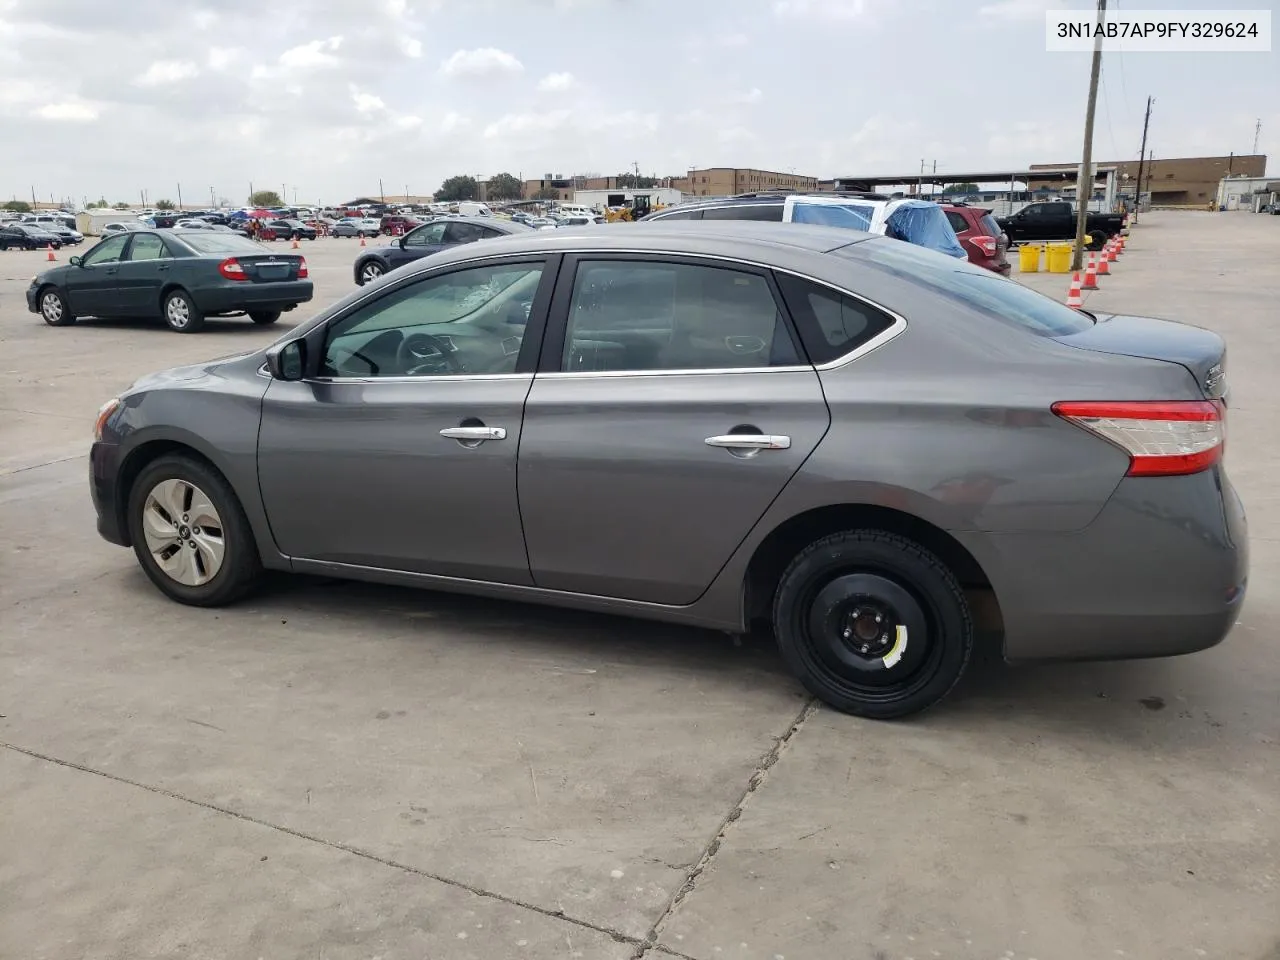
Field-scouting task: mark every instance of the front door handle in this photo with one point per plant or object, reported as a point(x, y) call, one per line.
point(750, 441)
point(474, 433)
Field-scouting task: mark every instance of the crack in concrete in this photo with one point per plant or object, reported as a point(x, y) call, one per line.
point(616, 935)
point(754, 782)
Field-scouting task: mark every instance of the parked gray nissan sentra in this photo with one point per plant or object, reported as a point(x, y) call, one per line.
point(877, 449)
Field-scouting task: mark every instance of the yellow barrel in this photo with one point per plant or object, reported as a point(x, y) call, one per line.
point(1029, 258)
point(1058, 258)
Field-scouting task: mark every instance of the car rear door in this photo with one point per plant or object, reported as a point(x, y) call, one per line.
point(671, 406)
point(401, 453)
point(93, 288)
point(141, 274)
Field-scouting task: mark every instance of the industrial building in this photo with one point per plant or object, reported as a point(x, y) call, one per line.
point(1177, 181)
point(729, 181)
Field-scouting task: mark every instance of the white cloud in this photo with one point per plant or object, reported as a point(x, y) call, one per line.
point(317, 53)
point(731, 40)
point(164, 72)
point(366, 102)
point(555, 82)
point(219, 58)
point(453, 121)
point(1018, 9)
point(407, 122)
point(68, 111)
point(480, 62)
point(410, 46)
point(754, 95)
point(822, 9)
point(528, 123)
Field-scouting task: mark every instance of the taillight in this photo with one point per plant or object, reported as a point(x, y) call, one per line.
point(231, 269)
point(986, 244)
point(1163, 438)
point(302, 268)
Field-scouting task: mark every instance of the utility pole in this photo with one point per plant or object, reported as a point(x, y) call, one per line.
point(212, 203)
point(1142, 156)
point(382, 195)
point(1257, 129)
point(179, 197)
point(1084, 183)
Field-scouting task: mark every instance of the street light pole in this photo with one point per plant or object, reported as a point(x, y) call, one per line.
point(1084, 182)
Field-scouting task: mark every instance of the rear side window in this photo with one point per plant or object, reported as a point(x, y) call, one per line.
point(770, 213)
point(831, 324)
point(958, 223)
point(1005, 300)
point(681, 215)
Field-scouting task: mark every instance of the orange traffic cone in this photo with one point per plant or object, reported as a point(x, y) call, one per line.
point(1104, 263)
point(1091, 274)
point(362, 243)
point(1075, 300)
point(295, 241)
point(50, 257)
point(1113, 251)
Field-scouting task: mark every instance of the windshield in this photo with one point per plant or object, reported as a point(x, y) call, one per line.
point(850, 216)
point(212, 242)
point(1006, 300)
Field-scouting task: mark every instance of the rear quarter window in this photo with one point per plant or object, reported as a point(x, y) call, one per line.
point(1006, 301)
point(831, 324)
point(989, 225)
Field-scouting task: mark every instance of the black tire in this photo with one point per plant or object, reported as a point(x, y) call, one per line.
point(241, 568)
point(264, 316)
point(370, 271)
point(54, 309)
point(1097, 240)
point(842, 584)
point(180, 312)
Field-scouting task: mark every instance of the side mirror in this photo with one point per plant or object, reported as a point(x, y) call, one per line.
point(76, 262)
point(400, 242)
point(288, 360)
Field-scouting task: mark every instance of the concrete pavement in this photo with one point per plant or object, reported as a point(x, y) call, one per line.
point(350, 771)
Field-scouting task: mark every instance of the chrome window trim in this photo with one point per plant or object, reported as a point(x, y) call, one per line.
point(897, 327)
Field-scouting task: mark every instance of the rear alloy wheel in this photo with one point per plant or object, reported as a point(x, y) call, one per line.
point(873, 624)
point(190, 534)
point(180, 312)
point(370, 272)
point(54, 309)
point(264, 316)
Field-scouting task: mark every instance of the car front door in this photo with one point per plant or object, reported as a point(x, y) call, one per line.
point(141, 274)
point(93, 288)
point(671, 406)
point(400, 453)
point(423, 241)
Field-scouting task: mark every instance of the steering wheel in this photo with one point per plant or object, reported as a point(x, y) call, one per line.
point(423, 355)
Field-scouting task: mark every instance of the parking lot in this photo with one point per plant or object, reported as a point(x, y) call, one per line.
point(341, 770)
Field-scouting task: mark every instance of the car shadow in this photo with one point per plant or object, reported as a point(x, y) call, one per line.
point(1076, 701)
point(212, 325)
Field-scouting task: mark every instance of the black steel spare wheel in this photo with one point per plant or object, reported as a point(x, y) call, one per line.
point(873, 624)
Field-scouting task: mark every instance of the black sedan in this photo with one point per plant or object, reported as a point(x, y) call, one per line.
point(290, 230)
point(27, 237)
point(182, 276)
point(428, 239)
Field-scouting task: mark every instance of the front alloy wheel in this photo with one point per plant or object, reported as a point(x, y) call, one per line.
point(370, 272)
point(54, 309)
point(183, 532)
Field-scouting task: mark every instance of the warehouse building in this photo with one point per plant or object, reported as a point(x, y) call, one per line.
point(1177, 181)
point(729, 181)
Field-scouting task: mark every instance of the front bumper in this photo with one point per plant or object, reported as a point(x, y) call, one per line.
point(1161, 571)
point(104, 481)
point(32, 303)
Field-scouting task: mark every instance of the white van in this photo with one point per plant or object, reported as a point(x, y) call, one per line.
point(575, 210)
point(470, 208)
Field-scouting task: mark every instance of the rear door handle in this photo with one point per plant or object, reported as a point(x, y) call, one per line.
point(750, 441)
point(474, 433)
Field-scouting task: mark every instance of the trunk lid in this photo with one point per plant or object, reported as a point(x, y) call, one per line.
point(1200, 351)
point(270, 267)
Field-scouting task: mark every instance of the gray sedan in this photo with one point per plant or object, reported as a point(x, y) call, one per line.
point(874, 449)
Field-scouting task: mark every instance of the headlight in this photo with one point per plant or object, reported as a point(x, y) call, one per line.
point(104, 414)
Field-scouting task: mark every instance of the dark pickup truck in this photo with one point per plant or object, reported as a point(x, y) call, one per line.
point(1056, 220)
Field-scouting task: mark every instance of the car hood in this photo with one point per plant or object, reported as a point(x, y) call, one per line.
point(52, 275)
point(188, 372)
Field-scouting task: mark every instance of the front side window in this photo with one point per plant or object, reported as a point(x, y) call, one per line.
point(147, 246)
point(108, 251)
point(430, 235)
point(470, 321)
point(643, 316)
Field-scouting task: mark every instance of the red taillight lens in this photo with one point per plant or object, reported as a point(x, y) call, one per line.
point(1163, 438)
point(302, 268)
point(986, 244)
point(231, 269)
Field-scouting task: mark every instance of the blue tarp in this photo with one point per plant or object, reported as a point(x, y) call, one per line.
point(850, 216)
point(925, 224)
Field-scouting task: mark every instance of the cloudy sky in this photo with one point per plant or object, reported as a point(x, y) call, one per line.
point(102, 98)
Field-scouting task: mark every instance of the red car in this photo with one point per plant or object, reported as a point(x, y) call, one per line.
point(980, 235)
point(394, 226)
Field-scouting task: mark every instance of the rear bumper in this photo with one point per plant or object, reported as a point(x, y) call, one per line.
point(241, 295)
point(104, 473)
point(1161, 571)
